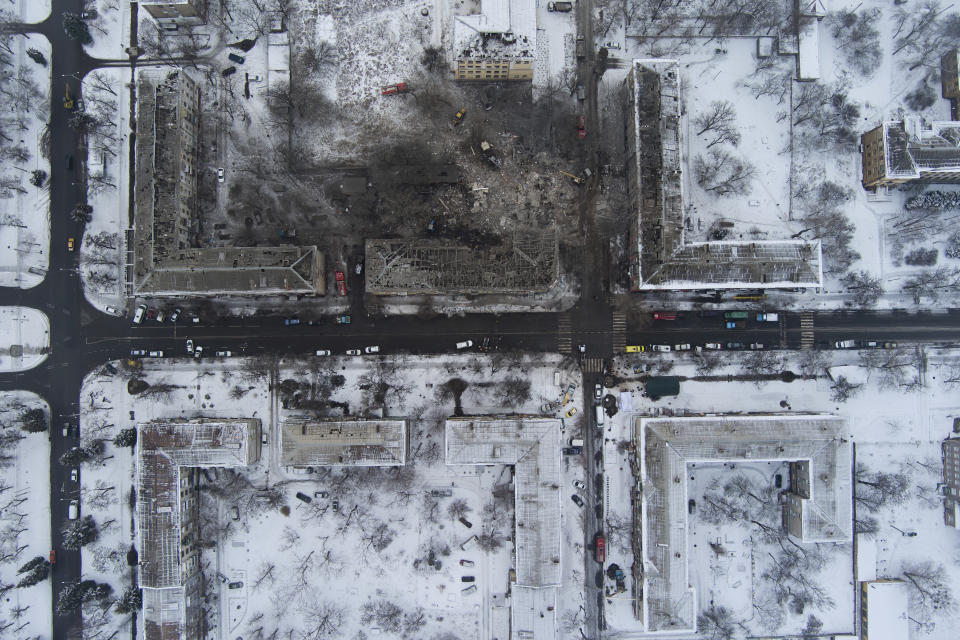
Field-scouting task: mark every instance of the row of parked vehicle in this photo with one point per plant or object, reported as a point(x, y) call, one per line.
point(149, 313)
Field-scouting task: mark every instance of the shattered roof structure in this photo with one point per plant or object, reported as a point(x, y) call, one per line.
point(346, 442)
point(662, 257)
point(522, 264)
point(912, 152)
point(513, 23)
point(166, 535)
point(164, 262)
point(668, 445)
point(533, 446)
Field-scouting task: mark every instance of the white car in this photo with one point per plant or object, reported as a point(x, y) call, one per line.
point(155, 354)
point(661, 347)
point(112, 310)
point(756, 345)
point(353, 352)
point(373, 349)
point(611, 45)
point(138, 315)
point(198, 352)
point(189, 346)
point(224, 354)
point(220, 174)
point(138, 352)
point(712, 345)
point(73, 475)
point(597, 390)
point(681, 347)
point(322, 352)
point(73, 510)
point(466, 344)
point(579, 484)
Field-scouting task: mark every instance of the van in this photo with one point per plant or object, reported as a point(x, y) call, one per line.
point(599, 416)
point(72, 511)
point(469, 543)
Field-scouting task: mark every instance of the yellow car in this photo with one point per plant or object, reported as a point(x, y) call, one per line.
point(572, 412)
point(635, 348)
point(69, 244)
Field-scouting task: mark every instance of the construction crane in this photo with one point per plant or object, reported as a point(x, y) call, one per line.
point(576, 179)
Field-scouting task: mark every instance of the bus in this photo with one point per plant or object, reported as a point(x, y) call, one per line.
point(736, 315)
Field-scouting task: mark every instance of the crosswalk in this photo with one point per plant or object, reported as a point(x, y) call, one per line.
point(593, 365)
point(806, 330)
point(619, 331)
point(564, 344)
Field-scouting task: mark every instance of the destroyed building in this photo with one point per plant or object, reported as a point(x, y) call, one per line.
point(169, 455)
point(523, 263)
point(170, 13)
point(661, 257)
point(532, 445)
point(343, 442)
point(897, 152)
point(817, 505)
point(165, 260)
point(499, 43)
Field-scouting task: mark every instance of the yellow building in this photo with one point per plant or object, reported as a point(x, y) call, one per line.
point(493, 69)
point(498, 43)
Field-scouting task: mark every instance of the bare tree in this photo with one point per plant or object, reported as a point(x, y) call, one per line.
point(322, 620)
point(866, 288)
point(930, 586)
point(874, 489)
point(858, 38)
point(843, 389)
point(717, 623)
point(723, 173)
point(720, 121)
point(458, 509)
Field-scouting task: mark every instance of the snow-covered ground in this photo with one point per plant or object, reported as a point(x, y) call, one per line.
point(24, 208)
point(32, 11)
point(892, 428)
point(376, 546)
point(26, 335)
point(110, 29)
point(24, 518)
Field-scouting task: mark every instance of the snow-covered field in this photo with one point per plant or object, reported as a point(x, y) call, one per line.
point(376, 546)
point(26, 335)
point(24, 208)
point(24, 518)
point(32, 11)
point(893, 429)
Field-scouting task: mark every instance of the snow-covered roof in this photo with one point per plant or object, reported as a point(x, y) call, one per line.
point(663, 257)
point(534, 612)
point(885, 602)
point(808, 56)
point(533, 446)
point(912, 151)
point(669, 444)
point(356, 442)
point(515, 21)
point(165, 523)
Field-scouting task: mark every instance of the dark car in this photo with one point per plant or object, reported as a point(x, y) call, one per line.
point(734, 345)
point(229, 71)
point(235, 58)
point(467, 579)
point(304, 497)
point(465, 522)
point(577, 500)
point(289, 322)
point(235, 585)
point(778, 481)
point(691, 505)
point(68, 161)
point(572, 451)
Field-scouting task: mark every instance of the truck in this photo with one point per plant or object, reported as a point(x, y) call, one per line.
point(458, 118)
point(394, 89)
point(736, 315)
point(768, 317)
point(599, 415)
point(601, 549)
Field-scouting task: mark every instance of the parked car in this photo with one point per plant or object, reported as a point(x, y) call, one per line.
point(229, 71)
point(635, 348)
point(661, 347)
point(155, 354)
point(70, 244)
point(235, 58)
point(220, 174)
point(601, 549)
point(579, 484)
point(466, 344)
point(465, 522)
point(691, 506)
point(73, 475)
point(343, 319)
point(756, 346)
point(235, 585)
point(560, 6)
point(189, 346)
point(304, 497)
point(581, 127)
point(224, 354)
point(734, 345)
point(768, 317)
point(341, 283)
point(845, 344)
point(323, 495)
point(53, 556)
point(322, 352)
point(198, 352)
point(467, 579)
point(466, 563)
point(353, 352)
point(291, 322)
point(597, 390)
point(161, 314)
point(373, 349)
point(73, 511)
point(712, 345)
point(577, 500)
point(571, 412)
point(572, 451)
point(176, 314)
point(611, 45)
point(138, 314)
point(663, 315)
point(138, 352)
point(151, 313)
point(681, 347)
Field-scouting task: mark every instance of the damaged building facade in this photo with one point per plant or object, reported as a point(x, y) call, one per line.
point(169, 455)
point(165, 201)
point(816, 506)
point(311, 442)
point(498, 43)
point(906, 151)
point(661, 257)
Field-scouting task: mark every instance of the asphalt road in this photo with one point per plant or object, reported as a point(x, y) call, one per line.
point(83, 338)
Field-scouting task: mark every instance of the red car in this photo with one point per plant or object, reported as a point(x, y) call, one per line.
point(581, 127)
point(341, 283)
point(664, 316)
point(601, 549)
point(53, 556)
